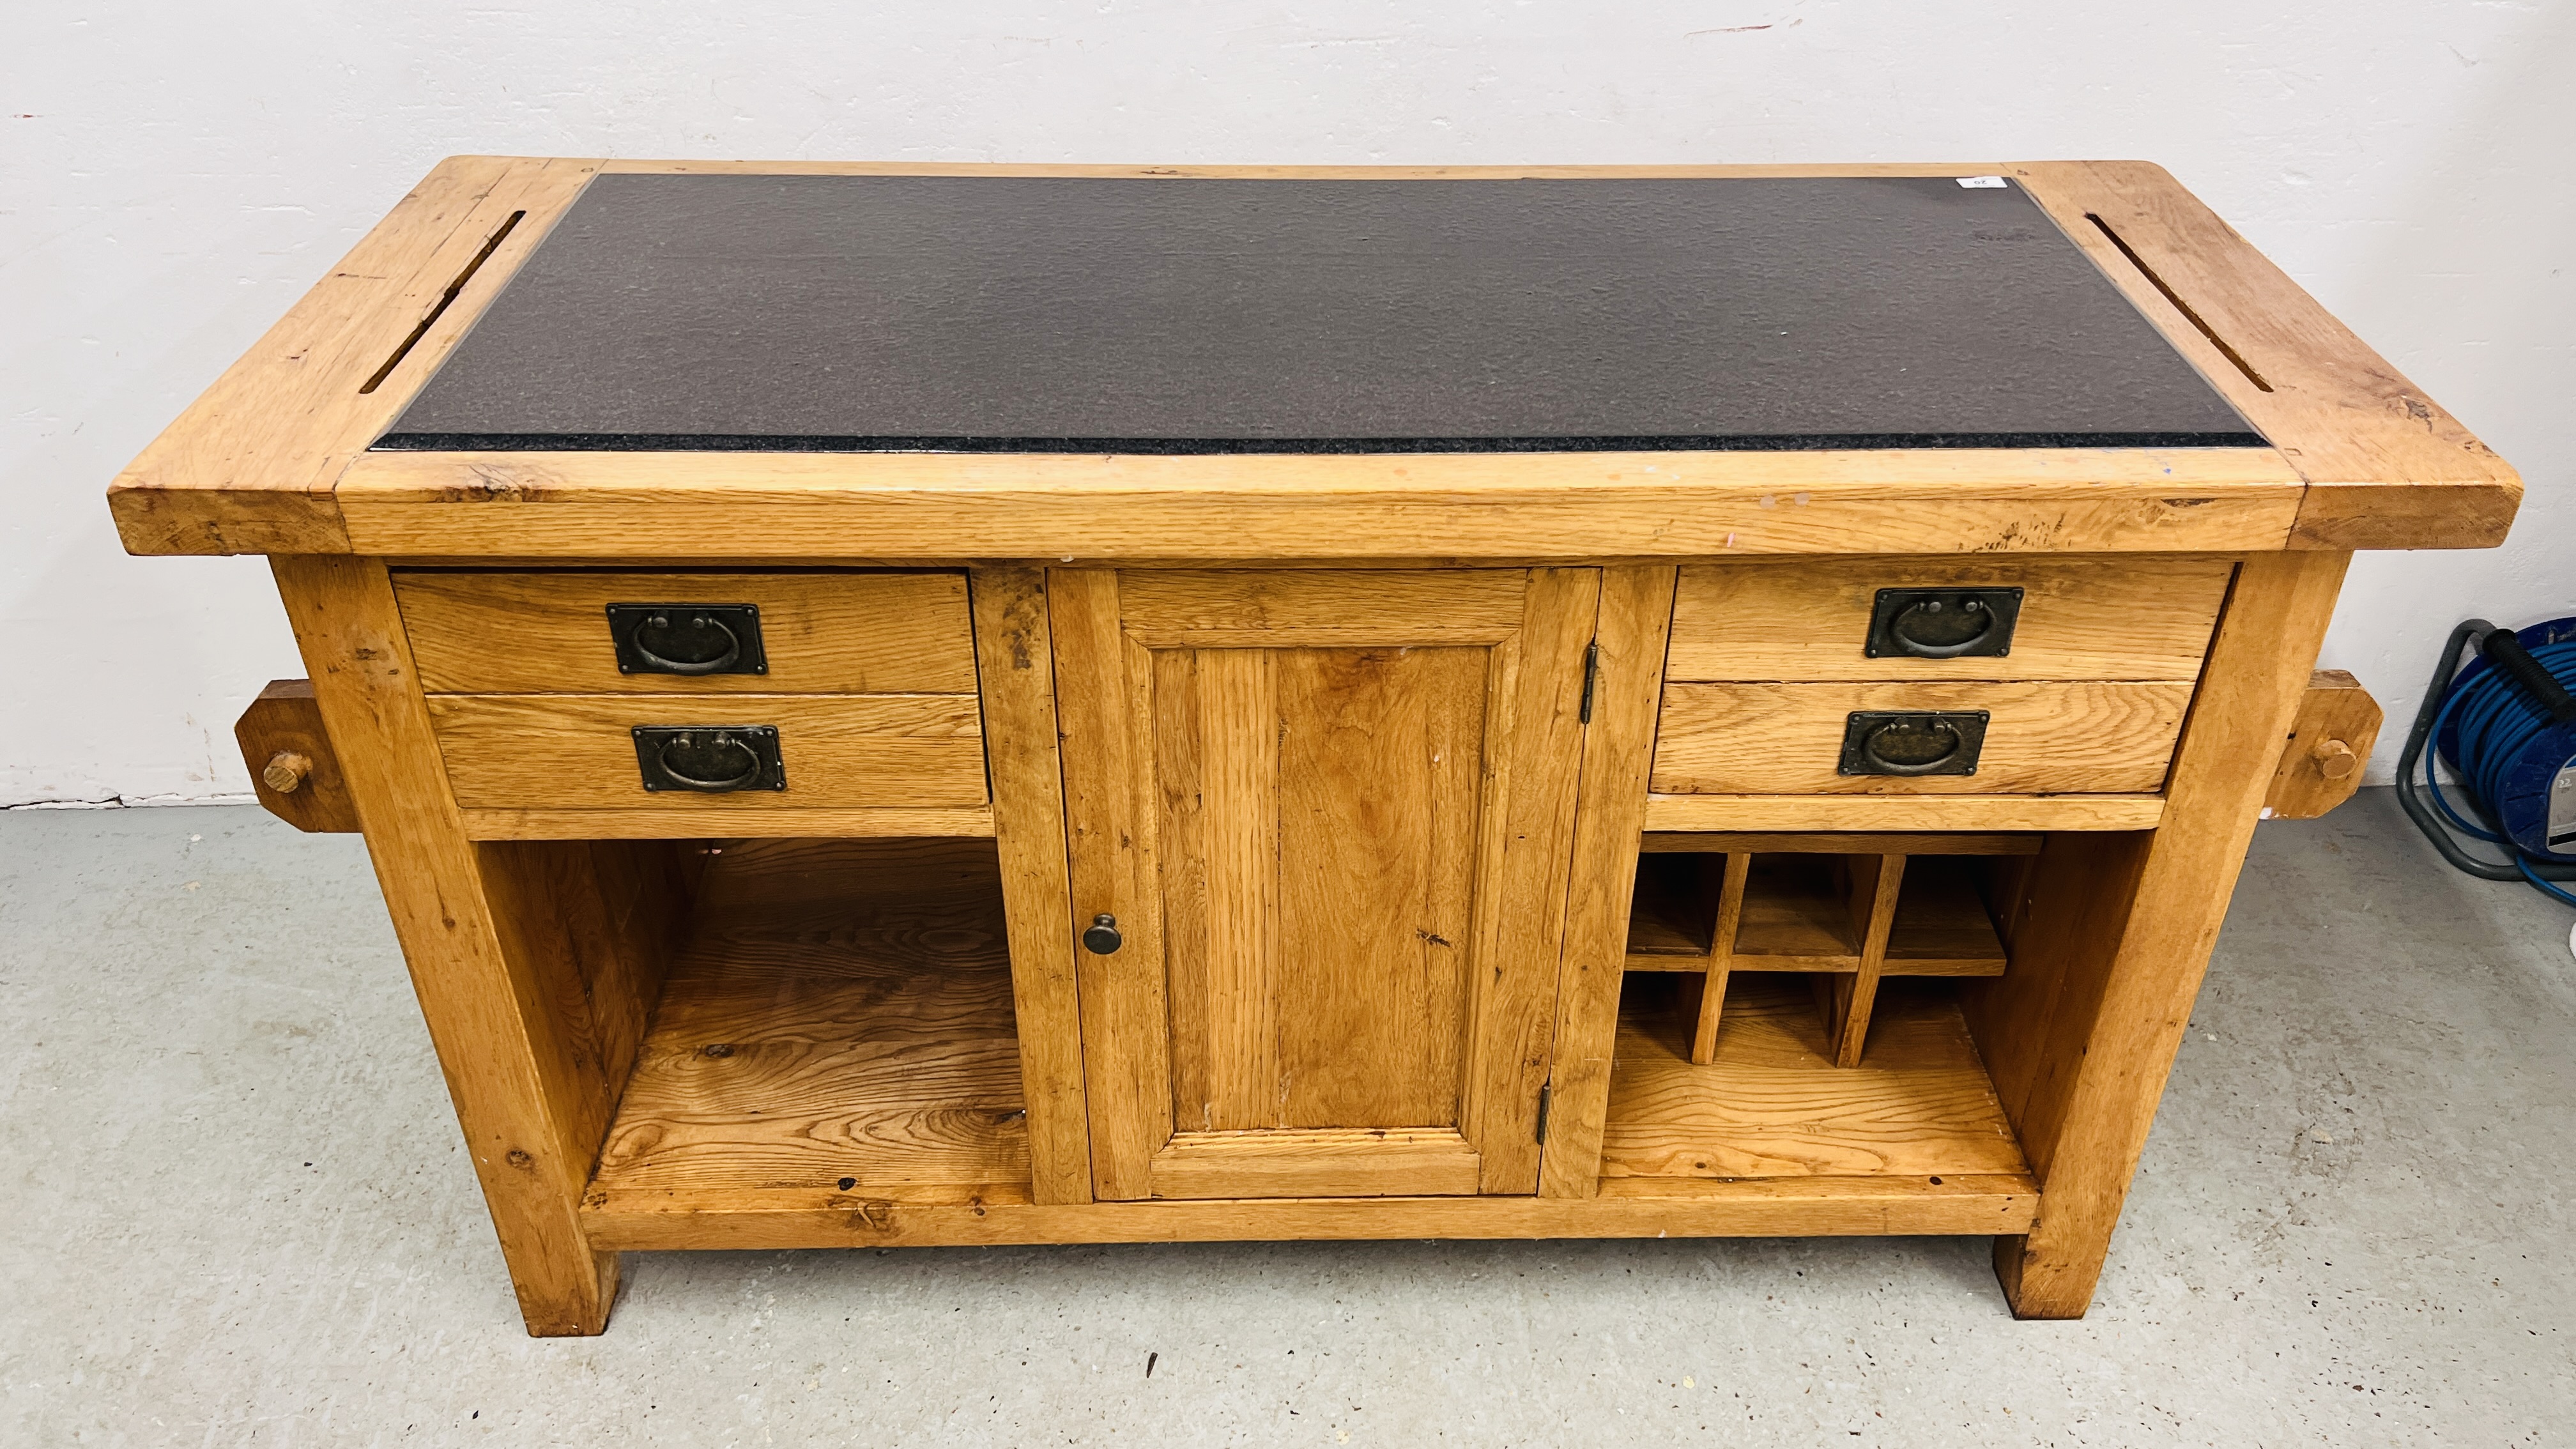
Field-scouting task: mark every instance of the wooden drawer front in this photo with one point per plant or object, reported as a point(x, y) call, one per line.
point(578, 751)
point(2081, 619)
point(487, 632)
point(1775, 739)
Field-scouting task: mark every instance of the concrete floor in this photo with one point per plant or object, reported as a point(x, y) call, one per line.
point(236, 1213)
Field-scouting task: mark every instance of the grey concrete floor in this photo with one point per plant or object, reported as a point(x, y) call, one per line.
point(236, 1213)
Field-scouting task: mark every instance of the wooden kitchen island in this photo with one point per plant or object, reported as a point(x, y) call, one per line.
point(911, 705)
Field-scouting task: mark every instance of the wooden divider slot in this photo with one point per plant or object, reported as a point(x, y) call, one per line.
point(1844, 917)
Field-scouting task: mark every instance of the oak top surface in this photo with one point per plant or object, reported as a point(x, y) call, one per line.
point(852, 313)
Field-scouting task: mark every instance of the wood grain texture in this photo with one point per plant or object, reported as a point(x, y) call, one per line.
point(286, 720)
point(1777, 842)
point(842, 1012)
point(531, 1115)
point(1863, 813)
point(1639, 1207)
point(2386, 467)
point(1774, 1104)
point(649, 822)
point(1710, 1011)
point(1535, 742)
point(1015, 659)
point(1293, 834)
point(2336, 726)
point(577, 751)
point(1631, 632)
point(1328, 1162)
point(920, 507)
point(2081, 618)
point(508, 632)
point(1109, 850)
point(1942, 926)
point(1289, 608)
point(1733, 739)
point(2083, 1031)
point(1875, 882)
point(250, 465)
point(1318, 856)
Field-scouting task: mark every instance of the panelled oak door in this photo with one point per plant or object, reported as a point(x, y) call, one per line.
point(1328, 815)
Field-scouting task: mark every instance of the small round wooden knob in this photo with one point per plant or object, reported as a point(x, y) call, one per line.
point(286, 770)
point(2335, 759)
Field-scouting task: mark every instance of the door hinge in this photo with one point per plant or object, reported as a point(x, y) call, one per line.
point(1541, 1134)
point(1591, 678)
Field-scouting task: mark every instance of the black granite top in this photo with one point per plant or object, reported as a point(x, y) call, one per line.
point(1004, 314)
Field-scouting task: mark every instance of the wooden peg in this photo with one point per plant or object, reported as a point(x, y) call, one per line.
point(290, 759)
point(285, 770)
point(2335, 759)
point(2321, 762)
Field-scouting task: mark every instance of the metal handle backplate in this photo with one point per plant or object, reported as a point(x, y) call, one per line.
point(1968, 623)
point(687, 638)
point(709, 759)
point(1913, 741)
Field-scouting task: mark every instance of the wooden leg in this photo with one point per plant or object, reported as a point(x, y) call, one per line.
point(1721, 956)
point(496, 951)
point(2081, 1033)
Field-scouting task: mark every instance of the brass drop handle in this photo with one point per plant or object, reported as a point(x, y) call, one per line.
point(1102, 938)
point(2335, 759)
point(285, 771)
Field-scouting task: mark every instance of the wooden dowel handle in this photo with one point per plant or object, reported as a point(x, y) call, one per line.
point(286, 770)
point(2335, 759)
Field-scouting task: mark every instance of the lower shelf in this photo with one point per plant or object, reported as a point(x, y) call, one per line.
point(834, 1064)
point(1774, 1106)
point(840, 1020)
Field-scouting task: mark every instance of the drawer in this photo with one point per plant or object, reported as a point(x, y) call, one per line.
point(2078, 618)
point(579, 751)
point(1787, 739)
point(477, 631)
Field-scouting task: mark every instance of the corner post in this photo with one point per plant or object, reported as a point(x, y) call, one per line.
point(2082, 1034)
point(532, 1104)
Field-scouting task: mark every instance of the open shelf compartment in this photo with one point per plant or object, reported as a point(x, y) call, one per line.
point(1792, 1011)
point(838, 1025)
point(1773, 1104)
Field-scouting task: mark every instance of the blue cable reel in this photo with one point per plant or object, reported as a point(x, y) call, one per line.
point(2506, 725)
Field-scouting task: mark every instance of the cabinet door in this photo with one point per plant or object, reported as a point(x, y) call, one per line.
point(1331, 813)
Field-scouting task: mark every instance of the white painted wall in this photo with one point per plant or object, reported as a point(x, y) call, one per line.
point(173, 175)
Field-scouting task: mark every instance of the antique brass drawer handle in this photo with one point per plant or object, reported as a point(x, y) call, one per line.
point(687, 638)
point(709, 759)
point(1913, 742)
point(1943, 623)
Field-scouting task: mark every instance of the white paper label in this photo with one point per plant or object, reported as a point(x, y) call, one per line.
point(1983, 183)
point(2562, 808)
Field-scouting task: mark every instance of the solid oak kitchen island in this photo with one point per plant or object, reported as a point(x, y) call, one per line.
point(900, 705)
